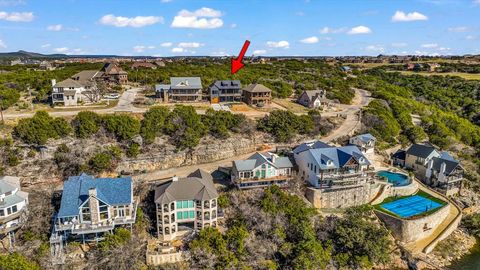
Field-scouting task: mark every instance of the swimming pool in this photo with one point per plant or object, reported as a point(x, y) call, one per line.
point(411, 206)
point(397, 179)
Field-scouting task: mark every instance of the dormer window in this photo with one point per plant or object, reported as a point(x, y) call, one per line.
point(362, 159)
point(329, 163)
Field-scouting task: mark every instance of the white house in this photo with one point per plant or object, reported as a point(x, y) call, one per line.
point(13, 204)
point(80, 88)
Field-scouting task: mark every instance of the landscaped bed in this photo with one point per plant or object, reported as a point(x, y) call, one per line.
point(409, 207)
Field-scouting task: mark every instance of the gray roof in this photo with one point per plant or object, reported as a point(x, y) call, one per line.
point(366, 137)
point(85, 77)
point(450, 165)
point(338, 156)
point(68, 83)
point(312, 93)
point(199, 173)
point(162, 87)
point(420, 150)
point(185, 82)
point(112, 191)
point(227, 84)
point(13, 199)
point(310, 145)
point(9, 183)
point(187, 188)
point(256, 87)
point(258, 159)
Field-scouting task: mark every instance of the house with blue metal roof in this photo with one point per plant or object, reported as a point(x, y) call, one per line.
point(365, 142)
point(92, 206)
point(261, 170)
point(13, 205)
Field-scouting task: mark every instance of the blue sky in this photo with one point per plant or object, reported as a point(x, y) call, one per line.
point(214, 27)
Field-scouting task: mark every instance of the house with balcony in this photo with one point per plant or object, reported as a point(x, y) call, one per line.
point(365, 142)
point(261, 170)
point(113, 74)
point(93, 206)
point(337, 177)
point(80, 88)
point(185, 205)
point(436, 169)
point(185, 89)
point(13, 205)
point(257, 94)
point(225, 91)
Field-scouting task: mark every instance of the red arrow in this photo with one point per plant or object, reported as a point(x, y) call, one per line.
point(237, 62)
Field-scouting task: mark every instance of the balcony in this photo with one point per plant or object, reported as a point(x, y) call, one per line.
point(256, 179)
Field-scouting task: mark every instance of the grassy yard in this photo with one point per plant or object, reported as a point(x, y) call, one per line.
point(290, 105)
point(466, 76)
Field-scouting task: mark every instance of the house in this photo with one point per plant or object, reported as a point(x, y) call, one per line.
point(160, 63)
point(185, 204)
point(113, 74)
point(225, 91)
point(185, 89)
point(45, 65)
point(398, 158)
point(338, 177)
point(261, 170)
point(436, 169)
point(432, 67)
point(257, 94)
point(312, 98)
point(93, 206)
point(365, 142)
point(13, 205)
point(346, 69)
point(162, 91)
point(146, 65)
point(80, 88)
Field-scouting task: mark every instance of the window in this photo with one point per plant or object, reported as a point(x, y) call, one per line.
point(179, 215)
point(9, 211)
point(179, 204)
point(14, 209)
point(86, 213)
point(190, 204)
point(103, 210)
point(191, 214)
point(2, 212)
point(185, 204)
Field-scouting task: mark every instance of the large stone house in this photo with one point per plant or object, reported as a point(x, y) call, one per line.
point(92, 206)
point(181, 89)
point(185, 204)
point(113, 74)
point(80, 88)
point(257, 94)
point(437, 169)
point(338, 176)
point(261, 170)
point(365, 142)
point(225, 91)
point(312, 98)
point(13, 205)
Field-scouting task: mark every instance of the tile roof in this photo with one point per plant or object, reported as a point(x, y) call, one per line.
point(420, 150)
point(187, 188)
point(112, 191)
point(338, 156)
point(256, 87)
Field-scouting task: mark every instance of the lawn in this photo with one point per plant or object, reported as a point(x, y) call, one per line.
point(290, 105)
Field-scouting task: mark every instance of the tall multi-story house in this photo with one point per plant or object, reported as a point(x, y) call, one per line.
point(80, 88)
point(185, 89)
point(257, 94)
point(365, 142)
point(261, 170)
point(185, 204)
point(13, 205)
point(113, 74)
point(312, 98)
point(338, 177)
point(92, 206)
point(225, 91)
point(437, 169)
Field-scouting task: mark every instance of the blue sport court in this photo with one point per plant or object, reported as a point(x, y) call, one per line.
point(411, 206)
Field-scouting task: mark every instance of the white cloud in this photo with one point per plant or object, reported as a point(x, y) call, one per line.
point(233, 25)
point(220, 53)
point(401, 16)
point(17, 16)
point(203, 18)
point(178, 50)
point(12, 2)
point(2, 44)
point(55, 27)
point(476, 2)
point(470, 37)
point(165, 1)
point(429, 45)
point(443, 49)
point(310, 40)
point(459, 29)
point(328, 30)
point(166, 44)
point(46, 45)
point(280, 44)
point(375, 48)
point(61, 50)
point(359, 30)
point(259, 52)
point(399, 44)
point(138, 21)
point(189, 45)
point(142, 48)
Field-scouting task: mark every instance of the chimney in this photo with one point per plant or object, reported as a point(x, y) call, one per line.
point(273, 157)
point(175, 178)
point(443, 167)
point(93, 204)
point(54, 82)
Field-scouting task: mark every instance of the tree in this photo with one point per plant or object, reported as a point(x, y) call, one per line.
point(185, 127)
point(86, 124)
point(133, 150)
point(100, 162)
point(153, 123)
point(220, 123)
point(40, 128)
point(8, 97)
point(123, 126)
point(16, 261)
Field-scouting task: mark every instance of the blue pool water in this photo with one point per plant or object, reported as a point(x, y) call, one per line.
point(397, 179)
point(411, 206)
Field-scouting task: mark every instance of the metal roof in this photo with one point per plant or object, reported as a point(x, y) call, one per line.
point(310, 145)
point(258, 159)
point(226, 84)
point(185, 82)
point(337, 157)
point(112, 191)
point(9, 183)
point(366, 137)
